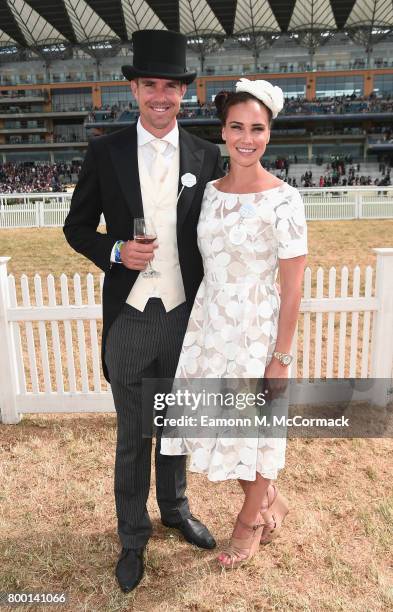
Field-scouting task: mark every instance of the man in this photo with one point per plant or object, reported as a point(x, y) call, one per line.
point(134, 173)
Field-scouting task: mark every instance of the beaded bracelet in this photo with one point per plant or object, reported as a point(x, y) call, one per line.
point(118, 246)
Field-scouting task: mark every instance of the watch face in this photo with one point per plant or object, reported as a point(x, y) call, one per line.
point(286, 359)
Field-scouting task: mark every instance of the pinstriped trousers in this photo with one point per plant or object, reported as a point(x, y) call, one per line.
point(144, 345)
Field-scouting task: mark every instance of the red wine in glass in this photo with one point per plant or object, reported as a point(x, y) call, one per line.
point(145, 233)
point(145, 239)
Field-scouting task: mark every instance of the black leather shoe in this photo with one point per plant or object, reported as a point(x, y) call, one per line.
point(193, 531)
point(129, 569)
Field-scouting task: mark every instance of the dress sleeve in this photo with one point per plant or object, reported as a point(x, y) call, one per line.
point(290, 226)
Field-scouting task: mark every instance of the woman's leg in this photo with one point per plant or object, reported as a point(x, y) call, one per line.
point(265, 500)
point(255, 499)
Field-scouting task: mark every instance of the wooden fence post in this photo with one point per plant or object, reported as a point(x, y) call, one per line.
point(37, 213)
point(41, 217)
point(359, 206)
point(8, 381)
point(382, 344)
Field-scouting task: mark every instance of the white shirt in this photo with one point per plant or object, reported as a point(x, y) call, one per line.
point(145, 148)
point(144, 139)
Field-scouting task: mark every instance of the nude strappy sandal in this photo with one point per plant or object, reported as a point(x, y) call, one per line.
point(273, 516)
point(242, 546)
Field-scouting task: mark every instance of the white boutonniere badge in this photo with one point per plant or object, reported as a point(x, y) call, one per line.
point(187, 180)
point(238, 234)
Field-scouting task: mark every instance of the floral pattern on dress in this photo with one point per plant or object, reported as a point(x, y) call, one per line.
point(232, 329)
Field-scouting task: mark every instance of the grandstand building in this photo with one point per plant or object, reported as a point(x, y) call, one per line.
point(61, 82)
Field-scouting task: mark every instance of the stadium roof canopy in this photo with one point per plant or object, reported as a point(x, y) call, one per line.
point(52, 28)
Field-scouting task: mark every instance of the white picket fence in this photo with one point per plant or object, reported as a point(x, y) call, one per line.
point(348, 203)
point(51, 209)
point(50, 336)
point(48, 211)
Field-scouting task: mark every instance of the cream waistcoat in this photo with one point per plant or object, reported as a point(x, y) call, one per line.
point(159, 203)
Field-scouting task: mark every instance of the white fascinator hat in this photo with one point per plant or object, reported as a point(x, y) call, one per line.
point(271, 95)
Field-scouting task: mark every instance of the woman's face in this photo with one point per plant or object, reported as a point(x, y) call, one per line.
point(246, 132)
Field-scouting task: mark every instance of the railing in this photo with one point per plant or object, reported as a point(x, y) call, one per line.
point(246, 68)
point(50, 348)
point(331, 203)
point(336, 203)
point(34, 210)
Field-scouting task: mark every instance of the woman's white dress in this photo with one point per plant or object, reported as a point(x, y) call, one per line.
point(233, 324)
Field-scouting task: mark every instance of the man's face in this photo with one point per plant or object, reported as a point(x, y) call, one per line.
point(159, 103)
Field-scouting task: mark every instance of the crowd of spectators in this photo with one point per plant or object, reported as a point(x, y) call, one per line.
point(339, 172)
point(123, 112)
point(37, 178)
point(352, 176)
point(190, 110)
point(382, 134)
point(339, 105)
point(108, 112)
point(293, 106)
point(281, 164)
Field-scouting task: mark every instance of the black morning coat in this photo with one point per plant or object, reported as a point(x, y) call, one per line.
point(109, 183)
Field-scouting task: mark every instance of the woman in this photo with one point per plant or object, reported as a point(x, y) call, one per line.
point(251, 225)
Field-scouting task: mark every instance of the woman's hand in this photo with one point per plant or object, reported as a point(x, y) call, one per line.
point(275, 379)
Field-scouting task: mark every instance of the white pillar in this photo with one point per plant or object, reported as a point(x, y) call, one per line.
point(8, 381)
point(359, 205)
point(382, 337)
point(41, 205)
point(36, 212)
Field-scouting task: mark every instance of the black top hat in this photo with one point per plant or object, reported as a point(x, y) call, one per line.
point(159, 54)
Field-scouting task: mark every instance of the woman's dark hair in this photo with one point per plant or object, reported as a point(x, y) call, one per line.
point(225, 99)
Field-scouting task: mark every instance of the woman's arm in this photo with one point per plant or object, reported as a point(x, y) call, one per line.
point(291, 277)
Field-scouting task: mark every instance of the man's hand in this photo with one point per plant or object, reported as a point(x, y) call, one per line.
point(135, 256)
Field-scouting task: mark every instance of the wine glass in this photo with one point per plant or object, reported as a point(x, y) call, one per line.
point(145, 233)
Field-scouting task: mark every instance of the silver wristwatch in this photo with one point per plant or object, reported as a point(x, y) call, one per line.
point(284, 358)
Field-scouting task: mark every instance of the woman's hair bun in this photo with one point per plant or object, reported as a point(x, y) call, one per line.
point(221, 100)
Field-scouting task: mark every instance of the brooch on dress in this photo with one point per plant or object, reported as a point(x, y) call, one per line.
point(238, 234)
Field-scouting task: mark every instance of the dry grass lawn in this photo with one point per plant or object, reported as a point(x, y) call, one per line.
point(57, 517)
point(331, 243)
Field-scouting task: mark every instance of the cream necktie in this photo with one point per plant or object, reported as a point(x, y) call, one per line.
point(159, 168)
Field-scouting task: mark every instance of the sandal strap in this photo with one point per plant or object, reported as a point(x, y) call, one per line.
point(270, 523)
point(233, 556)
point(241, 549)
point(250, 527)
point(234, 551)
point(237, 547)
point(270, 496)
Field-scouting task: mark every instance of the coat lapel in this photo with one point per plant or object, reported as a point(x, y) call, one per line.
point(124, 155)
point(191, 160)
